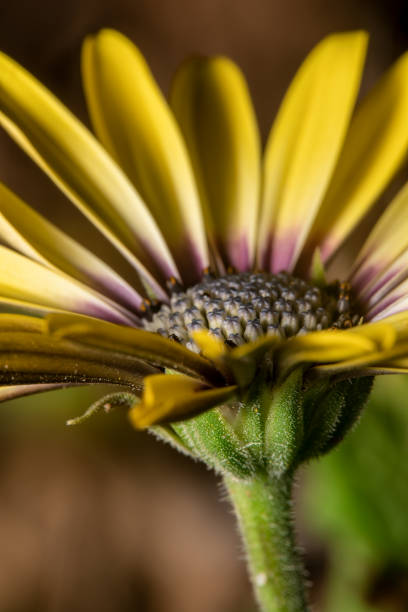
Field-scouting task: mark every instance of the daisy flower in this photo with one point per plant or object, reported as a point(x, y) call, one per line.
point(235, 313)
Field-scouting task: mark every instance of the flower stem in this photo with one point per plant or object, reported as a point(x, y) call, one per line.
point(263, 506)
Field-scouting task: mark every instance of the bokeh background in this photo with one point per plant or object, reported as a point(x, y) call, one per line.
point(100, 517)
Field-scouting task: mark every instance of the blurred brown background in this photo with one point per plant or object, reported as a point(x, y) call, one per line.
point(100, 517)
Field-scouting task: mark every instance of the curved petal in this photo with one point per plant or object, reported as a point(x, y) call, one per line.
point(170, 398)
point(392, 361)
point(13, 391)
point(77, 163)
point(24, 280)
point(35, 358)
point(376, 145)
point(352, 349)
point(25, 230)
point(32, 369)
point(383, 260)
point(134, 123)
point(211, 101)
point(324, 346)
point(142, 344)
point(395, 301)
point(304, 146)
point(398, 322)
point(385, 282)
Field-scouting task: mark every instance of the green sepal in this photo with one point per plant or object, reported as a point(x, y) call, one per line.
point(167, 434)
point(274, 428)
point(211, 437)
point(249, 424)
point(284, 424)
point(356, 394)
point(332, 415)
point(322, 416)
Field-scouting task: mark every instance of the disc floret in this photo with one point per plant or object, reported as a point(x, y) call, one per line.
point(239, 308)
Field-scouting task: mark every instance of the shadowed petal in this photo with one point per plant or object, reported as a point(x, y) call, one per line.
point(212, 104)
point(134, 123)
point(143, 344)
point(29, 357)
point(304, 146)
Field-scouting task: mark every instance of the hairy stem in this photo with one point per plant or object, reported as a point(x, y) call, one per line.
point(263, 508)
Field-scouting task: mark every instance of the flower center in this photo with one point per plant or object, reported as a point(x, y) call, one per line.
point(239, 308)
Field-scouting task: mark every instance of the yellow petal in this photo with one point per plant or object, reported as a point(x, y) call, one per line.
point(304, 145)
point(388, 331)
point(383, 333)
point(211, 347)
point(35, 368)
point(214, 349)
point(353, 349)
point(19, 343)
point(376, 145)
point(28, 232)
point(324, 346)
point(379, 362)
point(390, 337)
point(77, 163)
point(240, 363)
point(173, 397)
point(142, 344)
point(212, 104)
point(28, 281)
point(30, 357)
point(133, 121)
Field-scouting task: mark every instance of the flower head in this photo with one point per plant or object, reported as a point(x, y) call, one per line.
point(231, 250)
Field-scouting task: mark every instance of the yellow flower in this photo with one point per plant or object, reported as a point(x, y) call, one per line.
point(230, 249)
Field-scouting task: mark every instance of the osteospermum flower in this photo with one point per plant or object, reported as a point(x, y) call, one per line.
point(235, 304)
point(220, 239)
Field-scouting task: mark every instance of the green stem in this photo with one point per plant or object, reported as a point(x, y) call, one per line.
point(263, 507)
